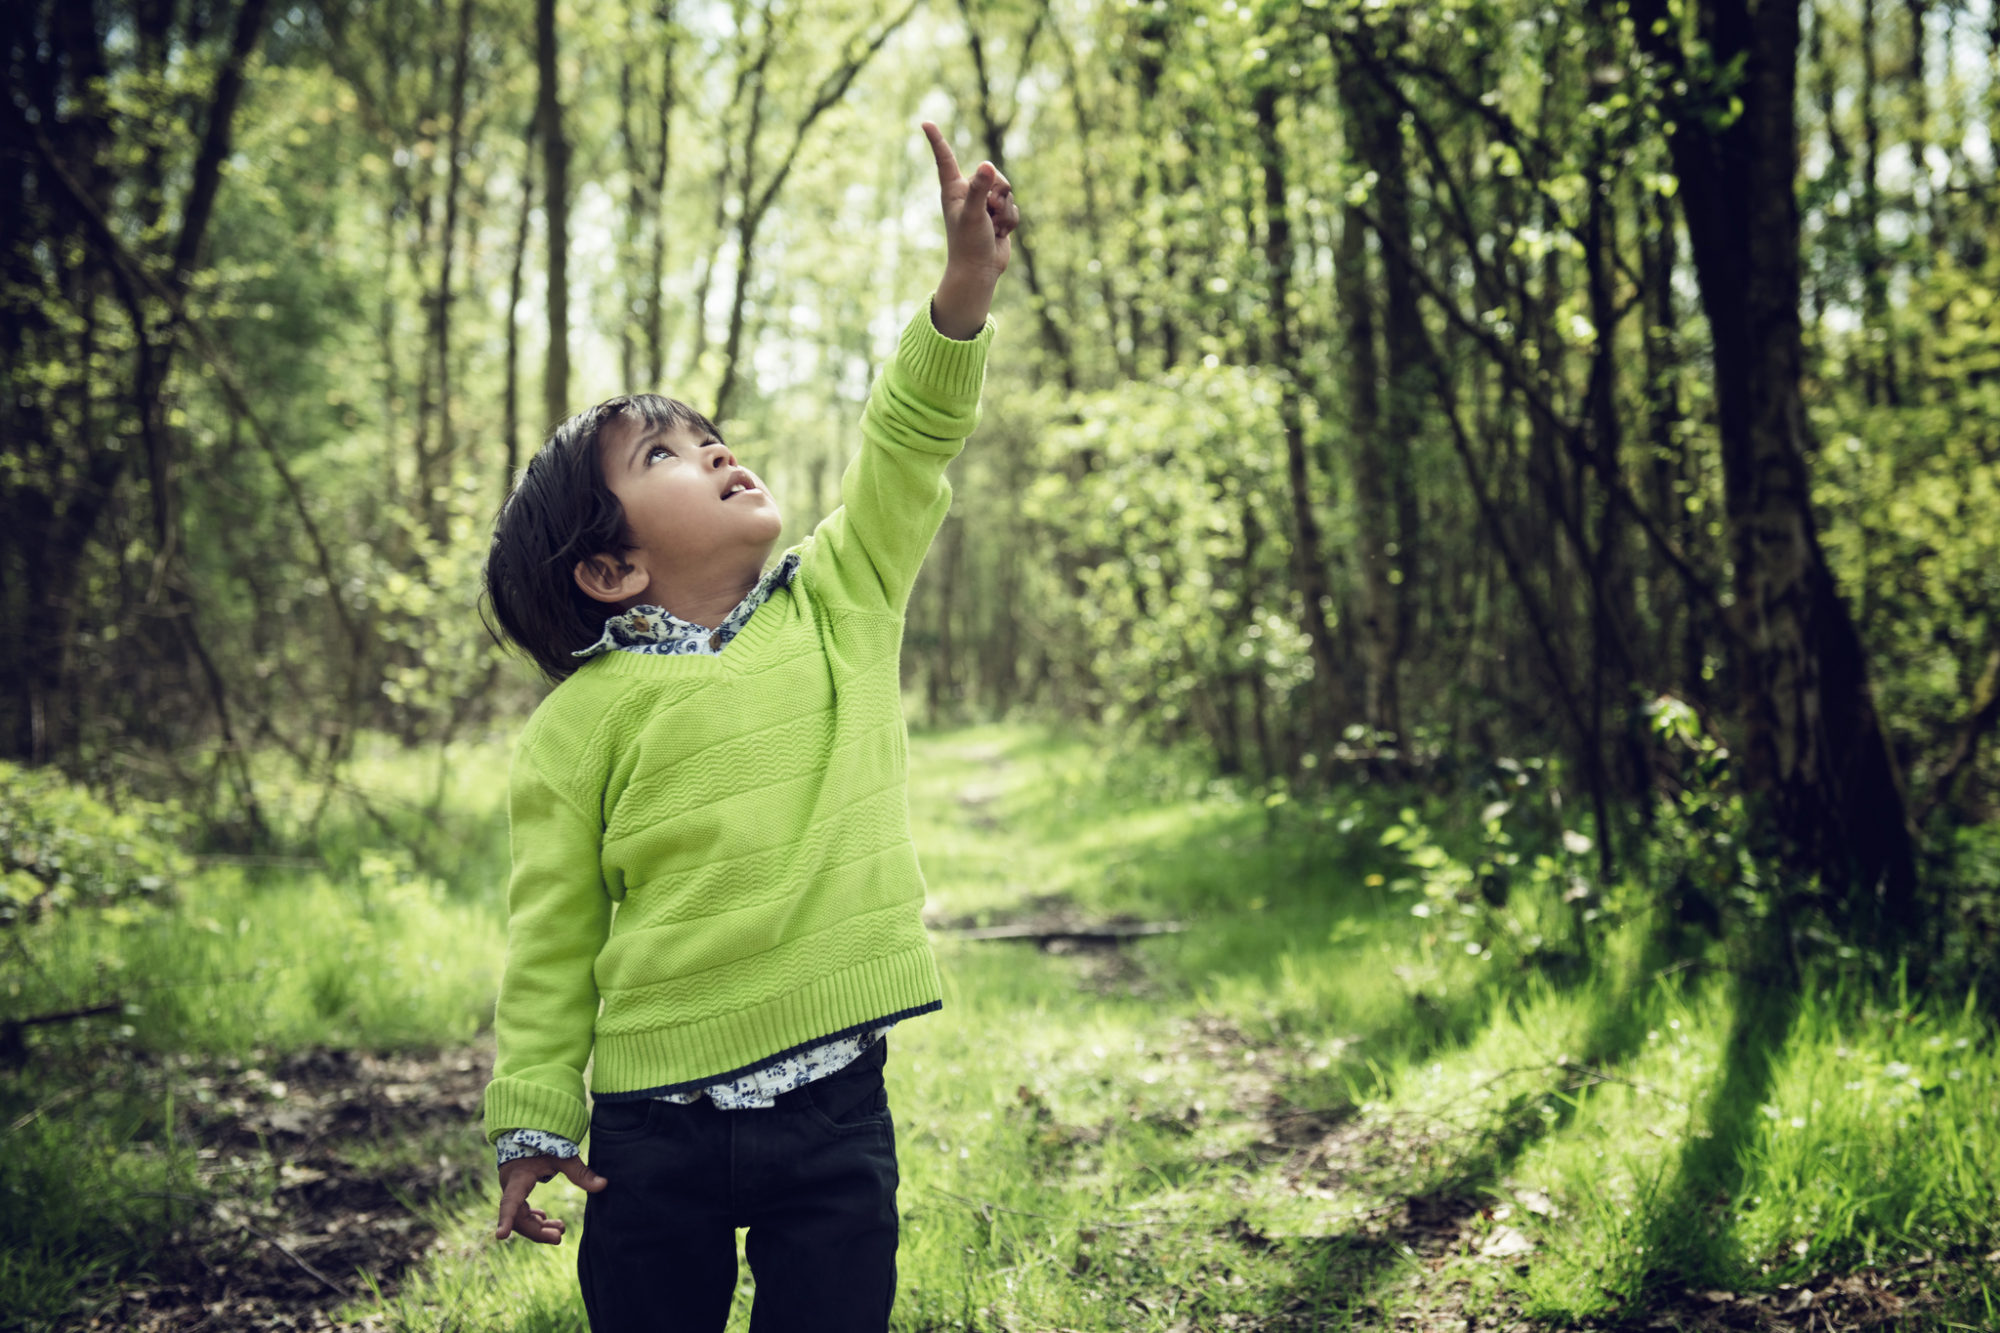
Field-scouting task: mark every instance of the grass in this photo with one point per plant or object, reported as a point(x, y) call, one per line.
point(1313, 1108)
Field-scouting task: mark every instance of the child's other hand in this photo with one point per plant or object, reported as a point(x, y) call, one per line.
point(520, 1176)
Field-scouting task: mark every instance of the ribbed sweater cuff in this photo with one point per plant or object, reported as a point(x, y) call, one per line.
point(513, 1103)
point(944, 368)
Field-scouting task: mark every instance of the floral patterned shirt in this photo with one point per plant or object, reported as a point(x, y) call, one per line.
point(655, 630)
point(658, 632)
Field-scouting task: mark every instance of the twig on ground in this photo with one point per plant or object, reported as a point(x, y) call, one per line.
point(294, 1256)
point(260, 1234)
point(51, 1104)
point(1591, 1072)
point(236, 859)
point(1105, 934)
point(1602, 1076)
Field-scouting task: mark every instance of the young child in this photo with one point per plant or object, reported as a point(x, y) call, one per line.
point(710, 834)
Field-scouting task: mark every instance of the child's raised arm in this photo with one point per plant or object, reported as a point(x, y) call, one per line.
point(923, 405)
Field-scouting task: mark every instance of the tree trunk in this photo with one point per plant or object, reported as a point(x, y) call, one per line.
point(1610, 571)
point(1679, 636)
point(555, 170)
point(994, 131)
point(1084, 123)
point(757, 199)
point(1815, 758)
point(656, 354)
point(510, 430)
point(1878, 364)
point(1380, 438)
point(429, 502)
point(1315, 594)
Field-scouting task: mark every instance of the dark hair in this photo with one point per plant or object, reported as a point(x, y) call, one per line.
point(561, 511)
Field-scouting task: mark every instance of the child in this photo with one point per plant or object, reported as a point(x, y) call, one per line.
point(724, 760)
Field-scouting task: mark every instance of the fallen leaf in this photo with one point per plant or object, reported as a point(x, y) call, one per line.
point(1505, 1243)
point(1537, 1203)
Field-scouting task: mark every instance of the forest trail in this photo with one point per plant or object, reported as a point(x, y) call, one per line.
point(332, 1229)
point(1174, 1133)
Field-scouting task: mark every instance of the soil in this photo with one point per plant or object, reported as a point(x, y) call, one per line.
point(296, 1219)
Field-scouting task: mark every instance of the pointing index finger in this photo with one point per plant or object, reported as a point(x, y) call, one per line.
point(947, 162)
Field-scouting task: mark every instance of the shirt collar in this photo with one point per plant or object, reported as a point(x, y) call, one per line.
point(646, 627)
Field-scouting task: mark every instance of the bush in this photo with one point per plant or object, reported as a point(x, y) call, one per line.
point(63, 848)
point(1169, 501)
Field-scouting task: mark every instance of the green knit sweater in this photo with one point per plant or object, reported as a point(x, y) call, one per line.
point(718, 848)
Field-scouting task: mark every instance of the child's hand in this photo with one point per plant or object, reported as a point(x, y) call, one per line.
point(520, 1176)
point(979, 218)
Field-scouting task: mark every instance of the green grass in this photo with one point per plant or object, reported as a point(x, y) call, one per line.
point(352, 948)
point(1219, 1128)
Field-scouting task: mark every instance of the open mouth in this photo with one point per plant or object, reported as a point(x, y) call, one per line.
point(737, 487)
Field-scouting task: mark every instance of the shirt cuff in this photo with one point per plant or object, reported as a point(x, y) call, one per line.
point(517, 1143)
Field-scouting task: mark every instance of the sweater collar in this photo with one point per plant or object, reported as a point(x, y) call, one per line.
point(654, 629)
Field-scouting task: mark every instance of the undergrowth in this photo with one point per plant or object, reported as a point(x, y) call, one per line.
point(1406, 1056)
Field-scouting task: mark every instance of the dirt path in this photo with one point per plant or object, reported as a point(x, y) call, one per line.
point(309, 1173)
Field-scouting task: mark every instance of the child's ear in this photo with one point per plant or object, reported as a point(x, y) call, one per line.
point(609, 578)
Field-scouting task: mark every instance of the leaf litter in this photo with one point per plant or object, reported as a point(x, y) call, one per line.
point(312, 1184)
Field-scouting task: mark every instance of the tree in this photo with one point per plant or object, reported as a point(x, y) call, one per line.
point(555, 207)
point(759, 190)
point(1814, 748)
point(75, 309)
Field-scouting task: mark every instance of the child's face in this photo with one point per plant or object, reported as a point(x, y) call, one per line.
point(691, 510)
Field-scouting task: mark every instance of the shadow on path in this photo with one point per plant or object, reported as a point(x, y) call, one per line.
point(1688, 1238)
point(1341, 1279)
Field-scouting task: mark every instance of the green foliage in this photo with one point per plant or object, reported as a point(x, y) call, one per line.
point(1167, 501)
point(1912, 486)
point(63, 849)
point(1122, 546)
point(1699, 852)
point(1968, 931)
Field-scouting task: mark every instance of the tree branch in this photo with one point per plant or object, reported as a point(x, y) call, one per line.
point(1985, 712)
point(207, 179)
point(1539, 405)
point(206, 344)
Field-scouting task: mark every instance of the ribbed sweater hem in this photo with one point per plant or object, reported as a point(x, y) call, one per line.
point(692, 1055)
point(696, 1084)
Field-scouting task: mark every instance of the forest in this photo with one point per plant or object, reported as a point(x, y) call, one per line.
point(1451, 717)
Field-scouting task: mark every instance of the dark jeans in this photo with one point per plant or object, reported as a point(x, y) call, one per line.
point(813, 1178)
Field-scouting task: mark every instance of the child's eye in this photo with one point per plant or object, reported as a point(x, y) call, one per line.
point(656, 450)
